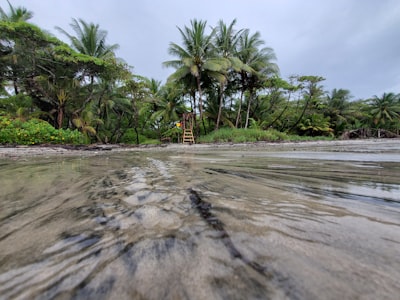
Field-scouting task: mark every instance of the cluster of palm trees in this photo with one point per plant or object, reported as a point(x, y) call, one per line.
point(224, 62)
point(224, 75)
point(240, 81)
point(230, 77)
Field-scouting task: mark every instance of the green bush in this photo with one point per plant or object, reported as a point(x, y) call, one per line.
point(35, 131)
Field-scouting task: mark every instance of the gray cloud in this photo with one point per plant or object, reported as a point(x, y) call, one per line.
point(353, 44)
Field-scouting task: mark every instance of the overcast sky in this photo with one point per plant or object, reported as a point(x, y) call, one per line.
point(354, 44)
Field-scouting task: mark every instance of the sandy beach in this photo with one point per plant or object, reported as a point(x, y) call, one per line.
point(23, 152)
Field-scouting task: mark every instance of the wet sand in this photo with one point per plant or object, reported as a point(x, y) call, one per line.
point(23, 152)
point(309, 220)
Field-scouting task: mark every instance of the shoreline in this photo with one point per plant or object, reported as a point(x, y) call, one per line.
point(17, 152)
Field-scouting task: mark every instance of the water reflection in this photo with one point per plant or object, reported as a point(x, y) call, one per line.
point(201, 225)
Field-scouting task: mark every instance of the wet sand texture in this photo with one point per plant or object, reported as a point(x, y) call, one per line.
point(297, 221)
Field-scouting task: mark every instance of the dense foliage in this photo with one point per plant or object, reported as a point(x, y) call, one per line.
point(225, 76)
point(35, 131)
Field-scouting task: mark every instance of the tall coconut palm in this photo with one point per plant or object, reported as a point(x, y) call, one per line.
point(226, 41)
point(18, 14)
point(90, 39)
point(196, 58)
point(259, 65)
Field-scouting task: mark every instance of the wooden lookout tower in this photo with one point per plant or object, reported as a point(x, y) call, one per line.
point(187, 127)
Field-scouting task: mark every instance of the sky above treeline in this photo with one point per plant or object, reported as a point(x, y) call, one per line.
point(354, 44)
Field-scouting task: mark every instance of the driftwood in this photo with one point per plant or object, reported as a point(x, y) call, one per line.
point(364, 133)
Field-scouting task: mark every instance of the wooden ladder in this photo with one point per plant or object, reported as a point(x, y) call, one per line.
point(188, 136)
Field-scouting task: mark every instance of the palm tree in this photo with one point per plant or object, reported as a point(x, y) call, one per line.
point(170, 104)
point(19, 14)
point(90, 39)
point(311, 92)
point(86, 122)
point(337, 108)
point(316, 124)
point(385, 108)
point(196, 58)
point(57, 94)
point(154, 104)
point(226, 41)
point(258, 64)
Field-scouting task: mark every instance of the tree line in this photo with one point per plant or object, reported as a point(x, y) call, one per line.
point(224, 76)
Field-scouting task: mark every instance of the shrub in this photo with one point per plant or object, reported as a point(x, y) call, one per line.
point(35, 131)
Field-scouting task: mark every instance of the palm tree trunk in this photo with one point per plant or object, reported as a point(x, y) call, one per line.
point(248, 113)
point(279, 116)
point(221, 100)
point(15, 87)
point(248, 109)
point(194, 110)
point(200, 105)
point(60, 117)
point(302, 114)
point(239, 109)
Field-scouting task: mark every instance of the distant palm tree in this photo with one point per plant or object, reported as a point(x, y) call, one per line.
point(19, 14)
point(170, 104)
point(385, 108)
point(311, 92)
point(90, 39)
point(196, 58)
point(337, 108)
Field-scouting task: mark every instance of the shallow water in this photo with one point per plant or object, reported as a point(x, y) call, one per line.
point(321, 223)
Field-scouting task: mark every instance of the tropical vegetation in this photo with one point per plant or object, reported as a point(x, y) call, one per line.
point(224, 77)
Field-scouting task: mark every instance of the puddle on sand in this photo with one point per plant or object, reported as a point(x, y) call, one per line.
point(201, 225)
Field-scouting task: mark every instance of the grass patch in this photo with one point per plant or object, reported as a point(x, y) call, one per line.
point(131, 138)
point(229, 135)
point(304, 138)
point(233, 135)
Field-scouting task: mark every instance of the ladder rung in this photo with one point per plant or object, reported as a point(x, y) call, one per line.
point(188, 136)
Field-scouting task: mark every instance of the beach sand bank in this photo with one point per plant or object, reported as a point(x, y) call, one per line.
point(25, 152)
